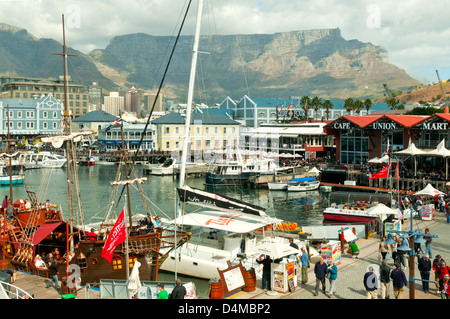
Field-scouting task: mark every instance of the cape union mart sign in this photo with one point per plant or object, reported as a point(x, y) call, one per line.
point(375, 126)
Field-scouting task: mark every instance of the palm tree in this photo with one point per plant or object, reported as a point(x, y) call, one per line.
point(305, 102)
point(358, 106)
point(316, 103)
point(367, 105)
point(327, 105)
point(349, 105)
point(394, 104)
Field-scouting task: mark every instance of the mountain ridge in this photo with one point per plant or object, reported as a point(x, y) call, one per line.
point(295, 63)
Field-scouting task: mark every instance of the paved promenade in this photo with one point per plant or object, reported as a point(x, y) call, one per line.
point(349, 283)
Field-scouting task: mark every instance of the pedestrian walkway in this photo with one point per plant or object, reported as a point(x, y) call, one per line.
point(349, 284)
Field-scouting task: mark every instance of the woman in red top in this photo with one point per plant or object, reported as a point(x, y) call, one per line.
point(443, 270)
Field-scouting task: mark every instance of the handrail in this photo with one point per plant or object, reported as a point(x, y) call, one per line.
point(8, 289)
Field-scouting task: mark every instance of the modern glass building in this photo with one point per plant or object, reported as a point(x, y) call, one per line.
point(253, 112)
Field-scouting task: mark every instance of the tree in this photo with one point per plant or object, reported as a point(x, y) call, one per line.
point(305, 102)
point(349, 105)
point(316, 103)
point(327, 105)
point(394, 104)
point(368, 104)
point(358, 106)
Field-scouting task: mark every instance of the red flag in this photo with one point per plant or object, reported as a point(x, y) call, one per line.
point(115, 237)
point(397, 174)
point(381, 174)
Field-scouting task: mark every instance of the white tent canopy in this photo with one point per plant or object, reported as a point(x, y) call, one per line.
point(429, 190)
point(440, 150)
point(274, 249)
point(235, 221)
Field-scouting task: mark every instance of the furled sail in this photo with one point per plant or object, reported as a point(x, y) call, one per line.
point(58, 141)
point(211, 200)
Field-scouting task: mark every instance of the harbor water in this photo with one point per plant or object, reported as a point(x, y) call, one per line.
point(304, 208)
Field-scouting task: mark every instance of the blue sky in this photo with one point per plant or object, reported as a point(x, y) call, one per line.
point(415, 33)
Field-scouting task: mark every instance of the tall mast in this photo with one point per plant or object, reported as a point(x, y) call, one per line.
point(67, 127)
point(190, 98)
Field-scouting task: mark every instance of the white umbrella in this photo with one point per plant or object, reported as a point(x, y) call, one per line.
point(413, 151)
point(429, 190)
point(134, 283)
point(275, 249)
point(314, 170)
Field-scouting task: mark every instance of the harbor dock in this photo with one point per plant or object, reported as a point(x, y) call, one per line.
point(349, 283)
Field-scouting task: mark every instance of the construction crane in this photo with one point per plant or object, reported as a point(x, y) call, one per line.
point(388, 92)
point(444, 97)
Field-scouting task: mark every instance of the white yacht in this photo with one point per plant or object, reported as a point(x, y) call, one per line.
point(43, 159)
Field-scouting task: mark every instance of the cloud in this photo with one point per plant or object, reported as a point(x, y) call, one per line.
point(413, 32)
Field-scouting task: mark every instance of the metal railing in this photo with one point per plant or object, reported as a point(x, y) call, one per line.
point(9, 291)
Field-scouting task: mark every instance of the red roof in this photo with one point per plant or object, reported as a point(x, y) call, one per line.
point(362, 121)
point(407, 120)
point(445, 116)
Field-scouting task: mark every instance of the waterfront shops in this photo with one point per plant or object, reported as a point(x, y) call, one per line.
point(361, 138)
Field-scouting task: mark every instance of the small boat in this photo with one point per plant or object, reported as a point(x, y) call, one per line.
point(278, 186)
point(238, 172)
point(359, 212)
point(43, 159)
point(17, 176)
point(303, 184)
point(166, 168)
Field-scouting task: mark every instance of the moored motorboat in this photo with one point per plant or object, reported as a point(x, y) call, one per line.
point(303, 184)
point(359, 212)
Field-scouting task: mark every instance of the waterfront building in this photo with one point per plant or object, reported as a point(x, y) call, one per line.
point(361, 138)
point(93, 121)
point(149, 99)
point(96, 96)
point(31, 117)
point(253, 112)
point(114, 103)
point(111, 136)
point(209, 131)
point(15, 87)
point(306, 139)
point(133, 101)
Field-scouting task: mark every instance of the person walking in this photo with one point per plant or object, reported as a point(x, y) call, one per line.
point(332, 272)
point(428, 241)
point(394, 249)
point(385, 279)
point(445, 292)
point(398, 281)
point(447, 212)
point(305, 265)
point(320, 270)
point(53, 266)
point(371, 284)
point(436, 263)
point(442, 271)
point(383, 248)
point(162, 294)
point(424, 266)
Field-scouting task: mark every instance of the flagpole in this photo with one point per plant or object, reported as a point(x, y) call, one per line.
point(127, 259)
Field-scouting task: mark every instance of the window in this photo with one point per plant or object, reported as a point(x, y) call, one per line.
point(132, 260)
point(207, 130)
point(45, 125)
point(55, 115)
point(19, 114)
point(177, 130)
point(216, 130)
point(116, 263)
point(44, 114)
point(167, 130)
point(19, 125)
point(55, 125)
point(224, 130)
point(82, 262)
point(167, 145)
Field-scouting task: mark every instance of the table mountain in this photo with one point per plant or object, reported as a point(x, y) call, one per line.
point(22, 54)
point(313, 62)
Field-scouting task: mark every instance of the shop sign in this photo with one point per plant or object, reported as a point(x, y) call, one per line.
point(384, 126)
point(341, 126)
point(291, 113)
point(435, 126)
